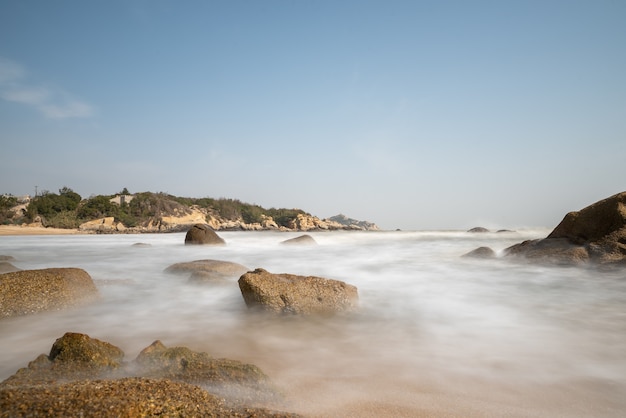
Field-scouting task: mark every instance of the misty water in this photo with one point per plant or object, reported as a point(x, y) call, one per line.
point(435, 333)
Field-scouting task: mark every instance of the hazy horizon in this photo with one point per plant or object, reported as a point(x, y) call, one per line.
point(416, 115)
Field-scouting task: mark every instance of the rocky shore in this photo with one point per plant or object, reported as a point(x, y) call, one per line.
point(83, 376)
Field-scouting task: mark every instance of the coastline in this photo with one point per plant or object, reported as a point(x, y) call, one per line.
point(9, 230)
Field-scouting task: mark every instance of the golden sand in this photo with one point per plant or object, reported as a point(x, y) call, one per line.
point(35, 230)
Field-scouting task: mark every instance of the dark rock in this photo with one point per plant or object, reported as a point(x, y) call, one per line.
point(478, 229)
point(301, 240)
point(594, 234)
point(141, 245)
point(30, 291)
point(288, 293)
point(208, 269)
point(204, 235)
point(481, 252)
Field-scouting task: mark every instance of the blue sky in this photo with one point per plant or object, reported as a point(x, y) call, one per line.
point(409, 114)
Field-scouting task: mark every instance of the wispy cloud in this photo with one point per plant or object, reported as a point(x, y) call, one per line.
point(53, 103)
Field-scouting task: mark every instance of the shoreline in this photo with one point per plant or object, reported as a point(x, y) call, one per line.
point(13, 230)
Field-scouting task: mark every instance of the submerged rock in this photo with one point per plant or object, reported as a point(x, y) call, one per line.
point(30, 291)
point(301, 240)
point(594, 234)
point(224, 376)
point(203, 234)
point(288, 293)
point(6, 267)
point(478, 229)
point(481, 252)
point(203, 270)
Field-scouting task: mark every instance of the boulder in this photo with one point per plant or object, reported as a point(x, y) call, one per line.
point(84, 376)
point(203, 234)
point(74, 356)
point(208, 269)
point(481, 252)
point(288, 293)
point(30, 291)
point(595, 234)
point(301, 240)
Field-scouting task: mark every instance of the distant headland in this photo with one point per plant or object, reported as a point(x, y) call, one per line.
point(149, 212)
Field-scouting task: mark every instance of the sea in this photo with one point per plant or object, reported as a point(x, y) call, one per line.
point(435, 333)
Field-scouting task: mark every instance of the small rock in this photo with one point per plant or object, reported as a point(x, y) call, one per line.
point(301, 240)
point(202, 234)
point(209, 268)
point(481, 252)
point(478, 229)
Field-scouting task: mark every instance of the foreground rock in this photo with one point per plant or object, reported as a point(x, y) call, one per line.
point(301, 240)
point(31, 291)
point(595, 234)
point(288, 293)
point(83, 376)
point(202, 234)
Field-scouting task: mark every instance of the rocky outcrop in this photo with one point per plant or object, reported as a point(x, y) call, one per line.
point(353, 223)
point(291, 294)
point(202, 234)
point(127, 397)
point(107, 224)
point(83, 376)
point(301, 240)
point(30, 291)
point(595, 234)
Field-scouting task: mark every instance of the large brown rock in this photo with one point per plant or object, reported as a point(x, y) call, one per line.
point(84, 376)
point(288, 293)
point(594, 234)
point(127, 397)
point(203, 234)
point(30, 291)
